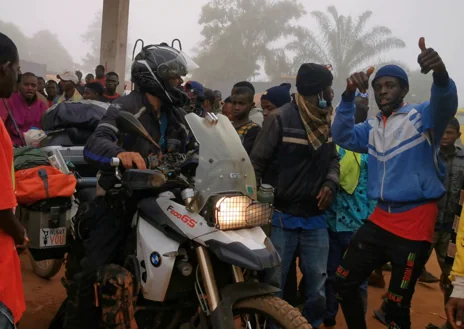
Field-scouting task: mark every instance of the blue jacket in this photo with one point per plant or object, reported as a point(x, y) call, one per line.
point(404, 168)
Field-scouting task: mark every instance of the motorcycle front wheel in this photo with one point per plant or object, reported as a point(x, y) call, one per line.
point(46, 269)
point(268, 312)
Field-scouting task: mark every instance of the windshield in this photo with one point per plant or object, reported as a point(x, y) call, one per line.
point(224, 165)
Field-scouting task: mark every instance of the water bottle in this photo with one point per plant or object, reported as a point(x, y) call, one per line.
point(266, 194)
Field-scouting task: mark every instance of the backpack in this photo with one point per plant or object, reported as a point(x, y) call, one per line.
point(42, 183)
point(29, 157)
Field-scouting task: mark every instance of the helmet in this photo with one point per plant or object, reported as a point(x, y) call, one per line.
point(155, 65)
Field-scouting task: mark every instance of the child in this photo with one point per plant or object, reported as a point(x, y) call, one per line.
point(228, 108)
point(242, 101)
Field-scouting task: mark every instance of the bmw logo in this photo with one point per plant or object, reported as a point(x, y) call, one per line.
point(155, 259)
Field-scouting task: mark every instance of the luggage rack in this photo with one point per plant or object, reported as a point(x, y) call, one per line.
point(73, 154)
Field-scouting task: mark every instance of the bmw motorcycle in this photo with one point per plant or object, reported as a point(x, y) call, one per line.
point(198, 239)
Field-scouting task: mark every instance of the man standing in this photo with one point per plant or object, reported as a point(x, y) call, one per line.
point(293, 154)
point(68, 84)
point(79, 84)
point(12, 304)
point(242, 102)
point(100, 75)
point(209, 101)
point(41, 86)
point(275, 97)
point(112, 82)
point(93, 91)
point(218, 102)
point(228, 108)
point(89, 78)
point(453, 158)
point(405, 177)
point(196, 93)
point(26, 109)
point(51, 87)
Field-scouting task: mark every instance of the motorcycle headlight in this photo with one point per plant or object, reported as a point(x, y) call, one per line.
point(241, 212)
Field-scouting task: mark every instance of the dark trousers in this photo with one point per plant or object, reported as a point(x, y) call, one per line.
point(338, 242)
point(6, 318)
point(370, 248)
point(108, 228)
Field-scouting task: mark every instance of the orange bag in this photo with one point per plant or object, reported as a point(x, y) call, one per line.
point(30, 187)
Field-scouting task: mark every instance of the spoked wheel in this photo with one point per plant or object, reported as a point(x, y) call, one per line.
point(46, 268)
point(268, 312)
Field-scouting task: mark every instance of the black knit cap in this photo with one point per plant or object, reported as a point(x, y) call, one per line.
point(312, 79)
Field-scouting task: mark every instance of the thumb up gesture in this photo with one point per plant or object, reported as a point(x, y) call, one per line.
point(359, 80)
point(429, 59)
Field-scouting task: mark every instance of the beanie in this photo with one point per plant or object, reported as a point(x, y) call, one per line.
point(278, 95)
point(312, 79)
point(392, 71)
point(196, 86)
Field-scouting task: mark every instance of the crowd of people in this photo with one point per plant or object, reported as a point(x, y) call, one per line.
point(352, 193)
point(33, 95)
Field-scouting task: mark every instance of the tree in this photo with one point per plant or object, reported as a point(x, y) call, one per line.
point(237, 34)
point(43, 47)
point(20, 40)
point(344, 43)
point(93, 38)
point(47, 49)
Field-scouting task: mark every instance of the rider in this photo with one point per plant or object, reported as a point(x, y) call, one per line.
point(157, 74)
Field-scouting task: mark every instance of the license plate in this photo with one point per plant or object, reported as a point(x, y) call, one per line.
point(52, 237)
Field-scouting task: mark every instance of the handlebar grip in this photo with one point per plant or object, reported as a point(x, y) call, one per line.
point(84, 182)
point(115, 162)
point(151, 161)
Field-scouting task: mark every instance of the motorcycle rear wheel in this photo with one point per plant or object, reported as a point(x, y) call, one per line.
point(277, 309)
point(46, 269)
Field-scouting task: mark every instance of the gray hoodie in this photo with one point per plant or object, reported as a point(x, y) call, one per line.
point(256, 115)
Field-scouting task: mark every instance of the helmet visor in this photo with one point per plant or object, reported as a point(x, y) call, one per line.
point(171, 63)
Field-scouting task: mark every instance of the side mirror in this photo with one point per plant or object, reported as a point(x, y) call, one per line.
point(129, 124)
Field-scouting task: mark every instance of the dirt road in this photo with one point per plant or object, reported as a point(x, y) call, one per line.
point(43, 297)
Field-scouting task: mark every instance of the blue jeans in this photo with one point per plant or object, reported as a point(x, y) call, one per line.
point(314, 250)
point(339, 242)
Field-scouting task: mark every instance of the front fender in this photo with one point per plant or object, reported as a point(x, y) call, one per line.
point(222, 317)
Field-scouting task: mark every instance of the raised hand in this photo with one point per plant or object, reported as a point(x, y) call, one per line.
point(429, 59)
point(359, 80)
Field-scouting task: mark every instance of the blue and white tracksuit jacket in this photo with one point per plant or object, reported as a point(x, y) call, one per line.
point(404, 168)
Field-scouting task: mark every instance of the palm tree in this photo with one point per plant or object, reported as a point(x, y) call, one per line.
point(344, 43)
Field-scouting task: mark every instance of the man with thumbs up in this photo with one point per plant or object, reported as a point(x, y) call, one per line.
point(405, 176)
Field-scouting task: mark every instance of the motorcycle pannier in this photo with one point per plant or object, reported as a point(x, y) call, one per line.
point(46, 225)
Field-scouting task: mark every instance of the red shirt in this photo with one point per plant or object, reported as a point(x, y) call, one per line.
point(102, 81)
point(109, 99)
point(416, 224)
point(11, 287)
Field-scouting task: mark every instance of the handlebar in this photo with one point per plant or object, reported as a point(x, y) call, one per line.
point(170, 160)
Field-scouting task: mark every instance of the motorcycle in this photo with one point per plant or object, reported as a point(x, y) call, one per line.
point(199, 237)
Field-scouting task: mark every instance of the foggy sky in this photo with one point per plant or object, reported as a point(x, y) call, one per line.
point(439, 21)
